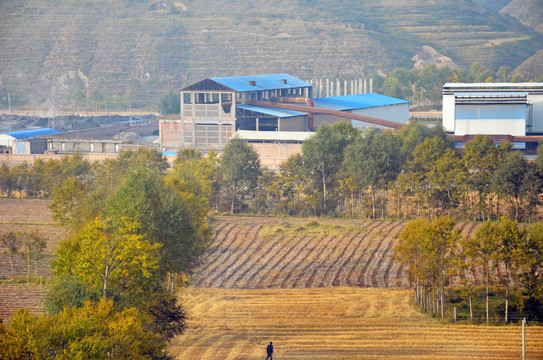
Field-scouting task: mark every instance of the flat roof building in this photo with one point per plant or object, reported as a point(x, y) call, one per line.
point(512, 111)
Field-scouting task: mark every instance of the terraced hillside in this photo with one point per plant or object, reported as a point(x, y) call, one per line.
point(129, 52)
point(334, 323)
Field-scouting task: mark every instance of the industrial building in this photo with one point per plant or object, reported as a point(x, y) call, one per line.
point(510, 112)
point(268, 109)
point(26, 141)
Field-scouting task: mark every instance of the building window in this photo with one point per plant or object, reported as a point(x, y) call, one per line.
point(226, 133)
point(207, 134)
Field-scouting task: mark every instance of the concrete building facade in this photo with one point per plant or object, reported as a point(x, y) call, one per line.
point(500, 110)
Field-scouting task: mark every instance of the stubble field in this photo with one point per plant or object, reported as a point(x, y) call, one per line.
point(334, 323)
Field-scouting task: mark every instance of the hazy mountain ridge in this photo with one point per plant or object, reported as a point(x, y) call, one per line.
point(133, 51)
point(528, 12)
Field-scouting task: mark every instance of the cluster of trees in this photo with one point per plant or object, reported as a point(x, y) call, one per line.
point(27, 246)
point(414, 172)
point(203, 181)
point(133, 228)
point(423, 87)
point(501, 255)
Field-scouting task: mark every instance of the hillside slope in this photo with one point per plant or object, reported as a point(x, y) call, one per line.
point(528, 12)
point(129, 52)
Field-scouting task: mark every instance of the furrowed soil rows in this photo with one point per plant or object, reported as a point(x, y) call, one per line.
point(339, 323)
point(338, 253)
point(236, 258)
point(16, 296)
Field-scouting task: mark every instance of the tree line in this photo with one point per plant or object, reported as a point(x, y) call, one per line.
point(413, 172)
point(502, 255)
point(423, 87)
point(134, 229)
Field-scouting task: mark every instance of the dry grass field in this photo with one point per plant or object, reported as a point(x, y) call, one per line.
point(334, 323)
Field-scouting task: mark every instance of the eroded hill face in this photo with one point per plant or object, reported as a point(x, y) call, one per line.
point(127, 53)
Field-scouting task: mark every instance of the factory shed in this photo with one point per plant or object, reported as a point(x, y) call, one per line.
point(260, 85)
point(510, 112)
point(215, 108)
point(491, 113)
point(369, 104)
point(7, 139)
point(257, 118)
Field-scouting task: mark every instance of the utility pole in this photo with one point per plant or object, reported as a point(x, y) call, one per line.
point(9, 113)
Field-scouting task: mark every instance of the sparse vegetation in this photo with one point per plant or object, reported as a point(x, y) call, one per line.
point(121, 54)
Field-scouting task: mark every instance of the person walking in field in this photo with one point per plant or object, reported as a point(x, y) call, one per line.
point(269, 350)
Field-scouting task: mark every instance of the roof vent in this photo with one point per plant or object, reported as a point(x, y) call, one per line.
point(252, 83)
point(283, 81)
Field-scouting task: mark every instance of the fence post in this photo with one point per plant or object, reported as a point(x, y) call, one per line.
point(455, 314)
point(524, 339)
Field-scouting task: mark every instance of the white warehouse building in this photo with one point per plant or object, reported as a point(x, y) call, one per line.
point(504, 111)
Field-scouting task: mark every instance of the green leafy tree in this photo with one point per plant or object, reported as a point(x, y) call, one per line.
point(481, 158)
point(414, 134)
point(483, 248)
point(508, 178)
point(373, 160)
point(170, 103)
point(530, 261)
point(503, 74)
point(93, 331)
point(532, 186)
point(6, 180)
point(509, 238)
point(12, 244)
point(194, 178)
point(289, 186)
point(162, 217)
point(67, 201)
point(111, 257)
point(240, 166)
point(323, 156)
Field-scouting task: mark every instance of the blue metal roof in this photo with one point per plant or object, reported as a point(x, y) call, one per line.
point(262, 82)
point(32, 133)
point(358, 101)
point(280, 113)
point(168, 153)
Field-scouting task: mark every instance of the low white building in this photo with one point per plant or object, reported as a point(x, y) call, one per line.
point(513, 110)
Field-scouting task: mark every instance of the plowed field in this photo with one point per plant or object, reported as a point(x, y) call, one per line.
point(243, 254)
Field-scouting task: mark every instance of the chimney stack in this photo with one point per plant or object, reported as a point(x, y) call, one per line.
point(252, 83)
